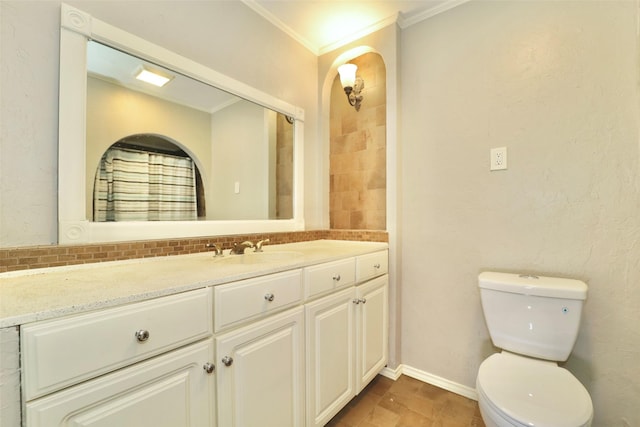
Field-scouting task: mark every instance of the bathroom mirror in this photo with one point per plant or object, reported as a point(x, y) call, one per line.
point(244, 145)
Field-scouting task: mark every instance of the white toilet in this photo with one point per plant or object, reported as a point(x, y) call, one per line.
point(535, 321)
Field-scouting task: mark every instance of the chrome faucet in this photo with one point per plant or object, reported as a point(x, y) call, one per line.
point(239, 248)
point(259, 245)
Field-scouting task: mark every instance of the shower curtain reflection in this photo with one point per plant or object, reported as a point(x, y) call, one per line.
point(138, 185)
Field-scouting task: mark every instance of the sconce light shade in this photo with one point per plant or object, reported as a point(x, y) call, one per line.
point(351, 84)
point(347, 74)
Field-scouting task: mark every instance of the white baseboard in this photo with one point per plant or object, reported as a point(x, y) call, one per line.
point(443, 383)
point(394, 374)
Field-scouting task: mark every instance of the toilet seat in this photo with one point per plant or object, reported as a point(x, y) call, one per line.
point(532, 392)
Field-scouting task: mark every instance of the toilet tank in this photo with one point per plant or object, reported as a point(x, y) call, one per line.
point(532, 315)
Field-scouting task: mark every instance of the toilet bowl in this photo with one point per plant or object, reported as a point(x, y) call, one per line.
point(535, 321)
point(518, 391)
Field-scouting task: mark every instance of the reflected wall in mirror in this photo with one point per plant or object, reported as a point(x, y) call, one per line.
point(147, 146)
point(245, 146)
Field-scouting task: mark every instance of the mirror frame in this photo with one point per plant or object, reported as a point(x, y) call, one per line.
point(76, 28)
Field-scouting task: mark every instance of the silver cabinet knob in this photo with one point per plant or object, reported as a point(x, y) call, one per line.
point(142, 335)
point(269, 297)
point(209, 367)
point(377, 265)
point(336, 277)
point(228, 361)
point(356, 301)
point(363, 300)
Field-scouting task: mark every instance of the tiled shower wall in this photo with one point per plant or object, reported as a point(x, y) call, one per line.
point(284, 168)
point(358, 151)
point(23, 258)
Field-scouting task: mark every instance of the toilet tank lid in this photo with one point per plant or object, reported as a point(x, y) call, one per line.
point(527, 284)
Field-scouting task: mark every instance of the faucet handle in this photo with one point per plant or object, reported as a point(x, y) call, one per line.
point(259, 245)
point(216, 249)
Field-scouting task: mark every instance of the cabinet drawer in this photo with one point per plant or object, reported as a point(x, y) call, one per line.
point(247, 299)
point(321, 279)
point(59, 353)
point(168, 391)
point(372, 265)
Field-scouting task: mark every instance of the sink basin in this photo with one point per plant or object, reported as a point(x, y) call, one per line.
point(259, 257)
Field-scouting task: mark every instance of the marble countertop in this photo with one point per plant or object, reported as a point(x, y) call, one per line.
point(32, 295)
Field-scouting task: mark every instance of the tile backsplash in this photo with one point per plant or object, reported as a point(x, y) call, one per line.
point(29, 257)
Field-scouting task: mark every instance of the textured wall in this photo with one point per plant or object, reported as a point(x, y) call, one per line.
point(556, 83)
point(357, 195)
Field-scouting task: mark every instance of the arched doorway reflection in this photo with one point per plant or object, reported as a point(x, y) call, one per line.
point(147, 177)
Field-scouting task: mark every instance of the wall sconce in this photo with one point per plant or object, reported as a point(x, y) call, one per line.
point(352, 85)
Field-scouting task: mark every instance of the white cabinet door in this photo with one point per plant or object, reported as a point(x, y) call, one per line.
point(260, 373)
point(330, 337)
point(372, 330)
point(166, 391)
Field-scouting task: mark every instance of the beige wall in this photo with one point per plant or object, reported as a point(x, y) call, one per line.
point(357, 158)
point(240, 147)
point(557, 84)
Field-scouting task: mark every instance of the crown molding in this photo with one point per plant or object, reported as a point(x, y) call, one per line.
point(414, 18)
point(359, 34)
point(402, 20)
point(256, 7)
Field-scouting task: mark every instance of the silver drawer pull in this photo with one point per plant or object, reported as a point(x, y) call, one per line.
point(142, 335)
point(209, 367)
point(376, 265)
point(269, 297)
point(336, 277)
point(228, 361)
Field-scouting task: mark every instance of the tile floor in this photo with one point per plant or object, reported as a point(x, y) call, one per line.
point(407, 402)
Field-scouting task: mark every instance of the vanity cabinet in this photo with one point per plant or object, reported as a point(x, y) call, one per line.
point(239, 302)
point(260, 378)
point(171, 390)
point(346, 339)
point(329, 277)
point(287, 348)
point(330, 337)
point(372, 320)
point(147, 363)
